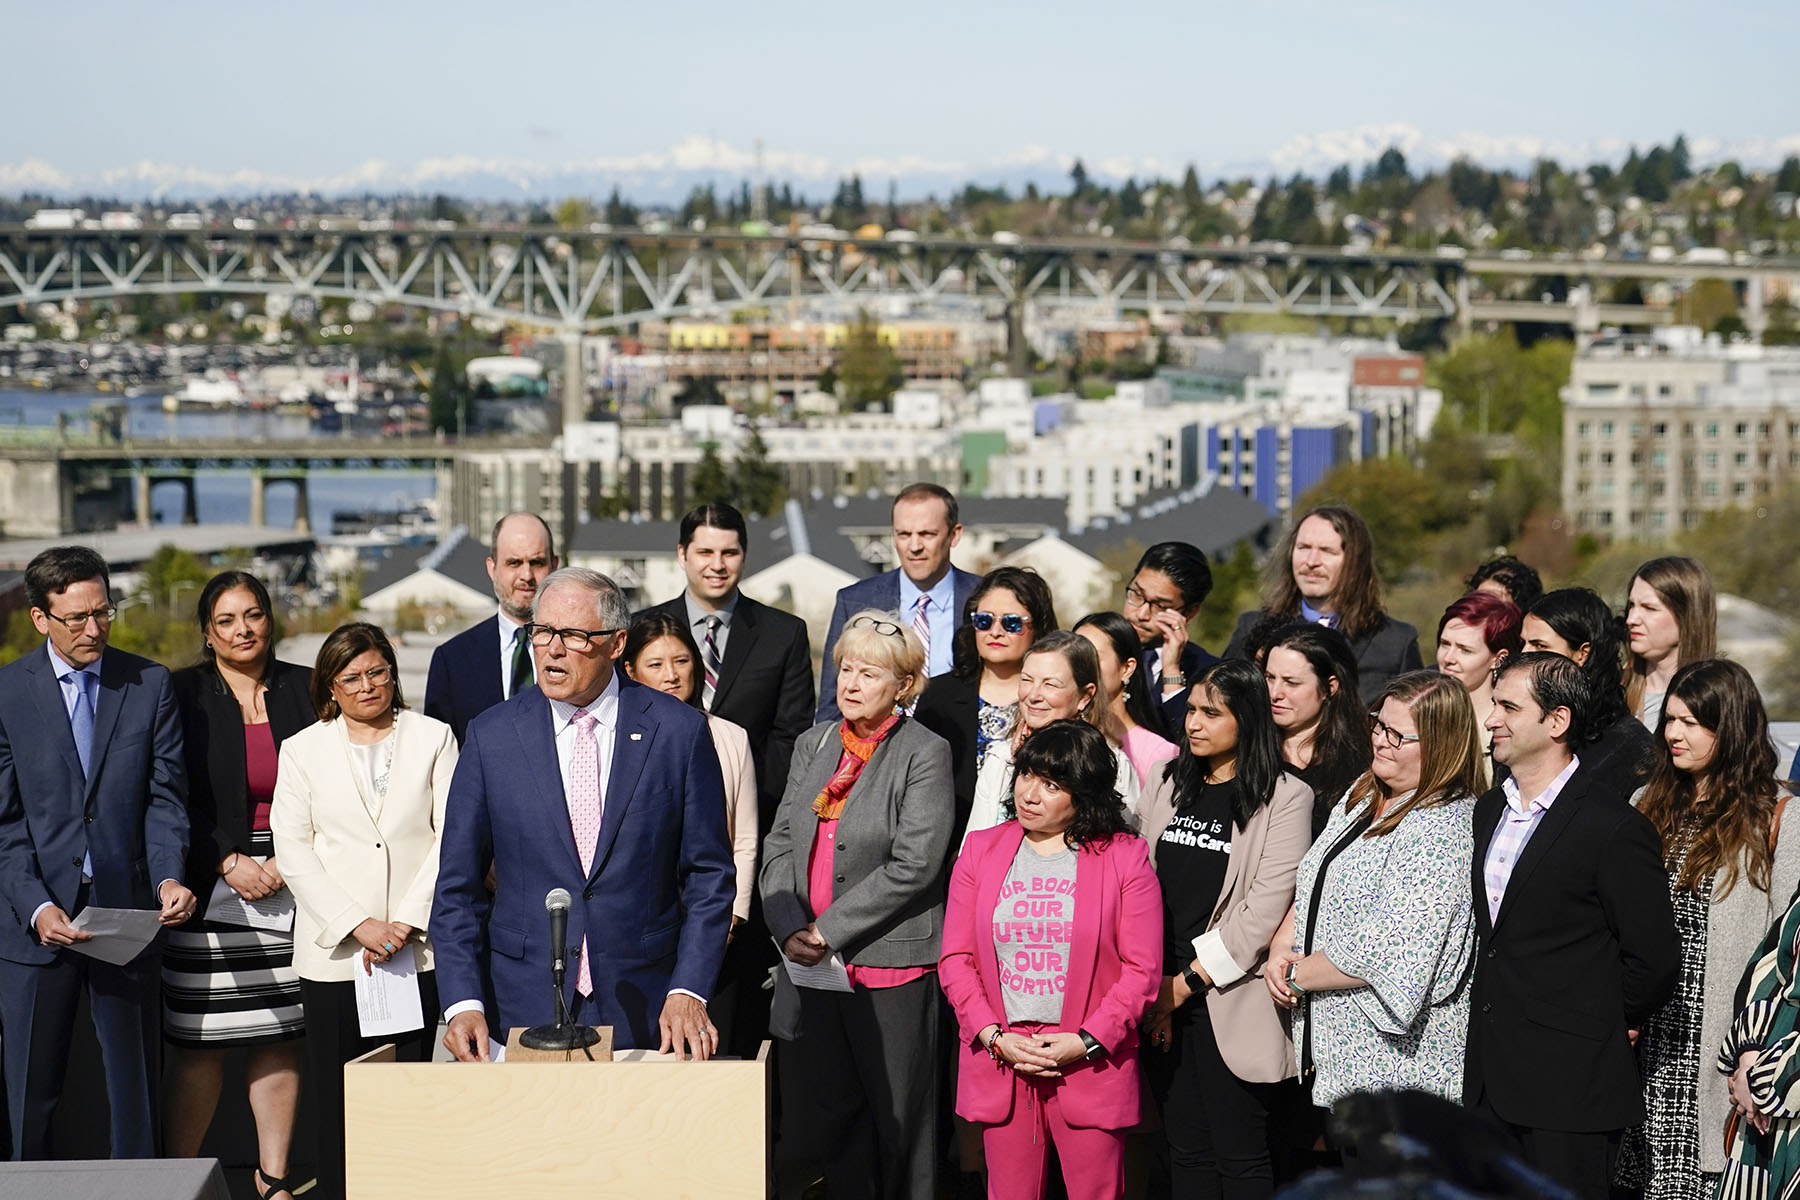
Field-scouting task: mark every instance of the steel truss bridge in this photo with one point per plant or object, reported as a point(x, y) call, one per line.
point(592, 282)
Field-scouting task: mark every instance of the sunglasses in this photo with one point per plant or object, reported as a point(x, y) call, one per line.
point(1011, 622)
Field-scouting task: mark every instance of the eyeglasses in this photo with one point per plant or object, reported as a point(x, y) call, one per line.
point(1010, 622)
point(375, 676)
point(886, 628)
point(1135, 597)
point(76, 622)
point(1387, 735)
point(572, 639)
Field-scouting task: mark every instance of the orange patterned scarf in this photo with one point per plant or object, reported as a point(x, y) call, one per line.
point(829, 804)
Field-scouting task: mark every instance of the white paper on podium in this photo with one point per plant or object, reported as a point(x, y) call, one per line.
point(828, 976)
point(120, 934)
point(274, 913)
point(387, 998)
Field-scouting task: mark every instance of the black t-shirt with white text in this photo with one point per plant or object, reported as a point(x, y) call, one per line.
point(1190, 863)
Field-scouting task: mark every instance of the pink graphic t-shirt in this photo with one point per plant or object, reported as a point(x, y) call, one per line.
point(1034, 931)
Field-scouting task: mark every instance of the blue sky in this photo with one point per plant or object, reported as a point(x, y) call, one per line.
point(208, 96)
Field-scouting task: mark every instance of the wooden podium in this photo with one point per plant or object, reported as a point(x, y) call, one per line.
point(638, 1125)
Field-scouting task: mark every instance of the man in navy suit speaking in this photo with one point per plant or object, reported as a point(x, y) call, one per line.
point(92, 812)
point(590, 783)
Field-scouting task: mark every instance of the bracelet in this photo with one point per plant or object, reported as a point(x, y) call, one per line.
point(230, 864)
point(1292, 986)
point(993, 1047)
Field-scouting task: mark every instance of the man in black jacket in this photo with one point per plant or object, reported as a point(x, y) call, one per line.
point(755, 671)
point(1576, 936)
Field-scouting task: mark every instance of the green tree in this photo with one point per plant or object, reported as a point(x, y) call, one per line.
point(868, 369)
point(1234, 590)
point(448, 410)
point(1706, 304)
point(1491, 384)
point(574, 213)
point(711, 482)
point(1781, 329)
point(761, 491)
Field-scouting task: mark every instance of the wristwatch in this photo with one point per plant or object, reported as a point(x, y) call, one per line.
point(1094, 1048)
point(1191, 977)
point(1292, 986)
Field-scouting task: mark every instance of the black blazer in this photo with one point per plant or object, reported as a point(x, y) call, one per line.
point(212, 730)
point(1584, 949)
point(1171, 710)
point(1390, 649)
point(464, 679)
point(766, 686)
point(949, 708)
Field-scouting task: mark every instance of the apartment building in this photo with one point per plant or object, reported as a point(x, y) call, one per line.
point(1659, 429)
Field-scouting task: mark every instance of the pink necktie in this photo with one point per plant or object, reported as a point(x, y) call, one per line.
point(921, 624)
point(584, 814)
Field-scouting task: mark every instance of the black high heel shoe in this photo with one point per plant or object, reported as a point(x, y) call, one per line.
point(266, 1187)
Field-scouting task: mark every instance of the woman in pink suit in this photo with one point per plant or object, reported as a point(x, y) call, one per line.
point(1051, 957)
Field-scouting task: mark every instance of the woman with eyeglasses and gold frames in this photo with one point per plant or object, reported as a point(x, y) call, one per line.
point(1374, 958)
point(359, 809)
point(976, 705)
point(853, 876)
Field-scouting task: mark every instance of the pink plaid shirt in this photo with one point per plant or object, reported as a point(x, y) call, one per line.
point(1518, 821)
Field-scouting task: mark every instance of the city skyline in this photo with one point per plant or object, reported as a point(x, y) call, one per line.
point(410, 98)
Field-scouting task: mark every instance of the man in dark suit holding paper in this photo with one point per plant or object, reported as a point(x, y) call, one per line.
point(606, 789)
point(92, 813)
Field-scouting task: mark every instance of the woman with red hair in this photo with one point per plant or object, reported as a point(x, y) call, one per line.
point(1475, 635)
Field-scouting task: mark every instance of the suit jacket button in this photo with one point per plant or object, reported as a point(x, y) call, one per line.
point(76, 862)
point(378, 845)
point(88, 819)
point(840, 879)
point(1487, 1008)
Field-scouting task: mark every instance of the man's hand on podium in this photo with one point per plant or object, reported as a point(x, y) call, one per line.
point(467, 1036)
point(686, 1028)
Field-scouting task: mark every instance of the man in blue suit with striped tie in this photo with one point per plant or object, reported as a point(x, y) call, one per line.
point(92, 812)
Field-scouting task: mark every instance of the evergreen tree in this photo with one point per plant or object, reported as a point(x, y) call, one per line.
point(1680, 166)
point(1788, 178)
point(710, 483)
point(1191, 195)
point(1078, 180)
point(868, 369)
point(757, 481)
point(449, 393)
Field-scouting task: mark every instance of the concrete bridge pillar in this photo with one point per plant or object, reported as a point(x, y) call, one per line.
point(190, 502)
point(1756, 314)
point(574, 380)
point(140, 496)
point(259, 500)
point(302, 506)
point(1465, 320)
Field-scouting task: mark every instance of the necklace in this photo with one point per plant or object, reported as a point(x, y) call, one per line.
point(387, 768)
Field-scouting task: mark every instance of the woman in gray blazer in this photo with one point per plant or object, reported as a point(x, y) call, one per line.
point(1713, 797)
point(853, 889)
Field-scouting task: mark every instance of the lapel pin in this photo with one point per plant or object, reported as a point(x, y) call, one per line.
point(637, 737)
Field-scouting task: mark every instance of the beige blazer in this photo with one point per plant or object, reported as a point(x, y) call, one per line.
point(1253, 900)
point(733, 747)
point(349, 855)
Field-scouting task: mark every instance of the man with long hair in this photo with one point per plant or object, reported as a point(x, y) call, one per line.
point(1324, 571)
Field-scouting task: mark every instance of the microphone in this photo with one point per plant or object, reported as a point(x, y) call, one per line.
point(557, 905)
point(561, 1035)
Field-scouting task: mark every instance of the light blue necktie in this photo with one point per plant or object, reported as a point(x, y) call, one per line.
point(81, 722)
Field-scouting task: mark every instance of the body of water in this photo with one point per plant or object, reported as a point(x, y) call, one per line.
point(224, 497)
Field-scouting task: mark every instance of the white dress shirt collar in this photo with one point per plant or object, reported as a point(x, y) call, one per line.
point(605, 707)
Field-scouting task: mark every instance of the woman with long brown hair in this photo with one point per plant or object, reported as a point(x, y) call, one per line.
point(1712, 796)
point(1671, 618)
point(1375, 953)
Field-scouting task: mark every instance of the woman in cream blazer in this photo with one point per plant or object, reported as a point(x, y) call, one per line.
point(358, 810)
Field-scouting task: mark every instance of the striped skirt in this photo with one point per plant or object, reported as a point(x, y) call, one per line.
point(225, 985)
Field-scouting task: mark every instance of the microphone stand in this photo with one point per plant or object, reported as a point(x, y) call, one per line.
point(561, 1036)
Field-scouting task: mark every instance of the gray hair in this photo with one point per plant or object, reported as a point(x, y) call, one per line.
point(609, 601)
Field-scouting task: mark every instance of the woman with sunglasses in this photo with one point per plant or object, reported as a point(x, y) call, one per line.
point(977, 704)
point(1226, 826)
point(1059, 680)
point(853, 874)
point(1374, 958)
point(358, 811)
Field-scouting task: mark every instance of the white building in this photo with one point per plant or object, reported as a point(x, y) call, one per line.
point(1660, 429)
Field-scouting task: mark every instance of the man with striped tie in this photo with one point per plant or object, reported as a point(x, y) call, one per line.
point(756, 672)
point(925, 589)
